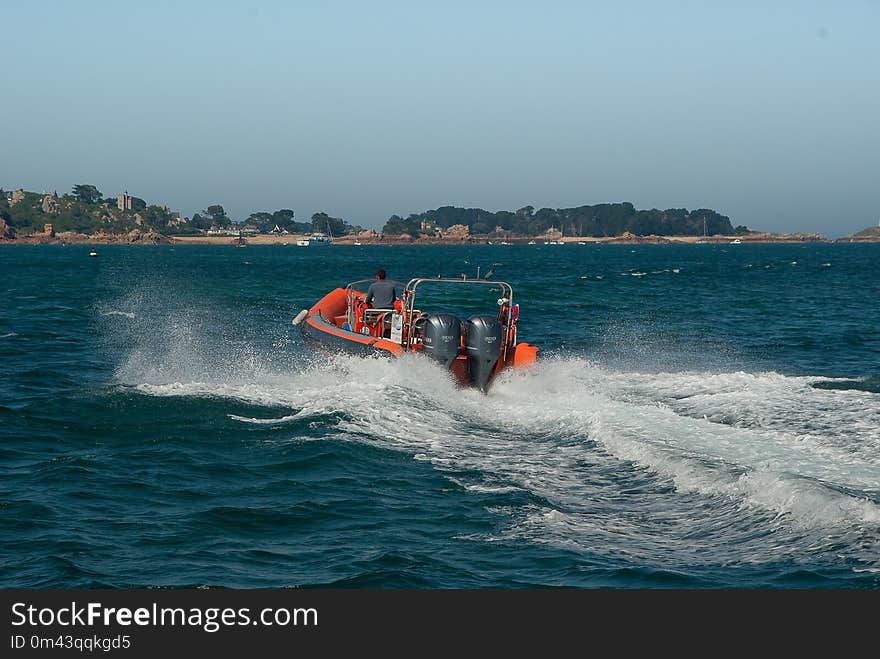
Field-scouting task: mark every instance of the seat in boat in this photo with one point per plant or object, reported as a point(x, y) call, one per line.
point(372, 318)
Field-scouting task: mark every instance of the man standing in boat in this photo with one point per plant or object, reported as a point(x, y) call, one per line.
point(381, 293)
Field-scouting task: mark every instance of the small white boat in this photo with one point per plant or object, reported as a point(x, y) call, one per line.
point(93, 253)
point(736, 242)
point(315, 240)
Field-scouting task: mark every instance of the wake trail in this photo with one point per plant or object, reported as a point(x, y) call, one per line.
point(782, 463)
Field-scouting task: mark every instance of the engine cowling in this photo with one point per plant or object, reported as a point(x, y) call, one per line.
point(483, 347)
point(442, 337)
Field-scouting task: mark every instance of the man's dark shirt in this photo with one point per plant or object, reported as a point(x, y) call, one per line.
point(381, 294)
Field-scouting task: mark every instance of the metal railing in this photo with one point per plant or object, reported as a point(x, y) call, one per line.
point(412, 314)
point(409, 299)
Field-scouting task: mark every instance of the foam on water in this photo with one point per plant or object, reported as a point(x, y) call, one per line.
point(718, 461)
point(678, 431)
point(126, 314)
point(673, 467)
point(844, 426)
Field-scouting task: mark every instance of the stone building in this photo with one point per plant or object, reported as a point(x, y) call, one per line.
point(126, 202)
point(430, 228)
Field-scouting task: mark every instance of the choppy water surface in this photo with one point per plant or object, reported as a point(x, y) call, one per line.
point(702, 417)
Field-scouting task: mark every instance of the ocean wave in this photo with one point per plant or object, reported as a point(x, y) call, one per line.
point(715, 459)
point(271, 422)
point(126, 314)
point(740, 437)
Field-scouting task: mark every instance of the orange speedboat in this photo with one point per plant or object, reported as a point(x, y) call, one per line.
point(475, 350)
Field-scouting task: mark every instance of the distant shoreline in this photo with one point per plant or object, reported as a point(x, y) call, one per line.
point(28, 218)
point(152, 238)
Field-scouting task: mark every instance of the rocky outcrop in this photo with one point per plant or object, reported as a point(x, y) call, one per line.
point(149, 237)
point(50, 203)
point(456, 231)
point(869, 235)
point(6, 231)
point(757, 237)
point(632, 239)
point(135, 237)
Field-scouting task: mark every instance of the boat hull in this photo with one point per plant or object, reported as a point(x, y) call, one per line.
point(324, 333)
point(321, 334)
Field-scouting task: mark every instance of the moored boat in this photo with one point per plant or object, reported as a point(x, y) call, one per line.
point(315, 240)
point(474, 350)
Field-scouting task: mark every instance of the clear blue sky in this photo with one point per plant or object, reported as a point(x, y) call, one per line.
point(768, 112)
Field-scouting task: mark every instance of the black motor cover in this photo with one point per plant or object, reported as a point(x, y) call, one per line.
point(483, 346)
point(442, 339)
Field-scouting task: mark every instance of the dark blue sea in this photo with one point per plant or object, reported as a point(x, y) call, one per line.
point(702, 416)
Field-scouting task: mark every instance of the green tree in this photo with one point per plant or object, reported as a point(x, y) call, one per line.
point(284, 218)
point(396, 225)
point(262, 221)
point(4, 208)
point(283, 215)
point(217, 217)
point(321, 222)
point(156, 217)
point(88, 194)
point(198, 221)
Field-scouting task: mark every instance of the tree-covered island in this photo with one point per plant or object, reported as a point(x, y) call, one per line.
point(600, 220)
point(85, 211)
point(85, 214)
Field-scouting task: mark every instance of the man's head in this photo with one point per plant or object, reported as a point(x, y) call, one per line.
point(380, 274)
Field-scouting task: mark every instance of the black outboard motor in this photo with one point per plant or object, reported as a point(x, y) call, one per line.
point(442, 339)
point(483, 345)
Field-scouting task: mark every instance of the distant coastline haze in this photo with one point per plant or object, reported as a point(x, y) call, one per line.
point(766, 113)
